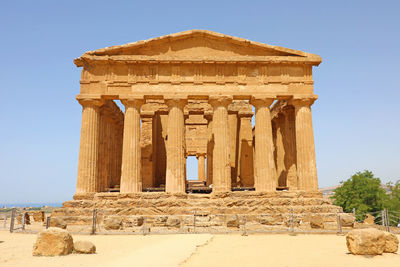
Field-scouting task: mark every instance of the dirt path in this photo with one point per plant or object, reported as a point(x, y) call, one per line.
point(196, 250)
point(283, 250)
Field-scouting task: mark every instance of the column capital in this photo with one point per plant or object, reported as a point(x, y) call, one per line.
point(305, 101)
point(176, 101)
point(258, 101)
point(87, 102)
point(201, 154)
point(136, 101)
point(245, 113)
point(220, 100)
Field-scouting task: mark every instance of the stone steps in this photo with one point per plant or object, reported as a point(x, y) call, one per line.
point(212, 210)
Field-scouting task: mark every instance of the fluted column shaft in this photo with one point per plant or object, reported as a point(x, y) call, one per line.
point(88, 173)
point(305, 147)
point(201, 167)
point(210, 149)
point(175, 174)
point(221, 152)
point(131, 181)
point(265, 173)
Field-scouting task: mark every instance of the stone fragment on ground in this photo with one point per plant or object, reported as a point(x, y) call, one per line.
point(317, 221)
point(368, 241)
point(391, 243)
point(38, 216)
point(84, 247)
point(347, 219)
point(369, 219)
point(112, 224)
point(53, 242)
point(58, 222)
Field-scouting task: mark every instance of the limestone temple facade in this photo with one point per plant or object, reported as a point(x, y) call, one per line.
point(193, 94)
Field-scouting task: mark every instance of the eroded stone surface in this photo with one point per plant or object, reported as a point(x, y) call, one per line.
point(58, 222)
point(369, 241)
point(113, 223)
point(84, 247)
point(192, 94)
point(53, 242)
point(391, 243)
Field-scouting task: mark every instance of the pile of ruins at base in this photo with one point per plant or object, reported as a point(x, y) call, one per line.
point(193, 94)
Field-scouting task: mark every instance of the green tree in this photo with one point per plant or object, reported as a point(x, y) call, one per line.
point(361, 191)
point(393, 199)
point(393, 203)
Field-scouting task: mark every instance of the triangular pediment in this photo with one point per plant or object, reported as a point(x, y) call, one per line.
point(199, 44)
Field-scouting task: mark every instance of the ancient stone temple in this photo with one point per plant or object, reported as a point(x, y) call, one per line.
point(195, 93)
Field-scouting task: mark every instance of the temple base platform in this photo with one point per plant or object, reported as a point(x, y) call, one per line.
point(168, 212)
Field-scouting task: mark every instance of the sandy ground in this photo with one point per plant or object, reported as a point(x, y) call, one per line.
point(196, 250)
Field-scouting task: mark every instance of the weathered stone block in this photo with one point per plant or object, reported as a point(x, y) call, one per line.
point(369, 241)
point(391, 243)
point(347, 219)
point(173, 222)
point(53, 242)
point(58, 222)
point(232, 221)
point(84, 247)
point(112, 223)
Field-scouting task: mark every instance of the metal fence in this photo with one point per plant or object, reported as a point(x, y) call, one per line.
point(195, 223)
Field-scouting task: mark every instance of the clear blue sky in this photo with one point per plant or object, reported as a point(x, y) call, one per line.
point(356, 119)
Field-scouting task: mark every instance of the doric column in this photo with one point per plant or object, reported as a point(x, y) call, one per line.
point(245, 162)
point(210, 149)
point(201, 167)
point(264, 169)
point(131, 181)
point(89, 146)
point(221, 153)
point(147, 148)
point(120, 137)
point(305, 148)
point(290, 148)
point(175, 173)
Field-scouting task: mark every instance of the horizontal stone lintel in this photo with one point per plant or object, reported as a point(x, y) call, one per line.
point(137, 59)
point(199, 96)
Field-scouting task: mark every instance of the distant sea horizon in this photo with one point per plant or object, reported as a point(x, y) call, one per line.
point(33, 205)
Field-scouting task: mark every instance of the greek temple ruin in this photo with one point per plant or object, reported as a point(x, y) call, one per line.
point(195, 93)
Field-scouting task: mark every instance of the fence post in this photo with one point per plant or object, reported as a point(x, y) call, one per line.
point(144, 227)
point(339, 224)
point(354, 213)
point(48, 222)
point(12, 220)
point(383, 217)
point(387, 220)
point(244, 226)
point(194, 222)
point(94, 222)
point(5, 220)
point(291, 220)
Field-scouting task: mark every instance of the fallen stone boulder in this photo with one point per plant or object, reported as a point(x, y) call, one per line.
point(391, 243)
point(58, 222)
point(369, 219)
point(173, 222)
point(347, 219)
point(369, 241)
point(53, 242)
point(38, 216)
point(84, 247)
point(232, 221)
point(112, 224)
point(316, 221)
